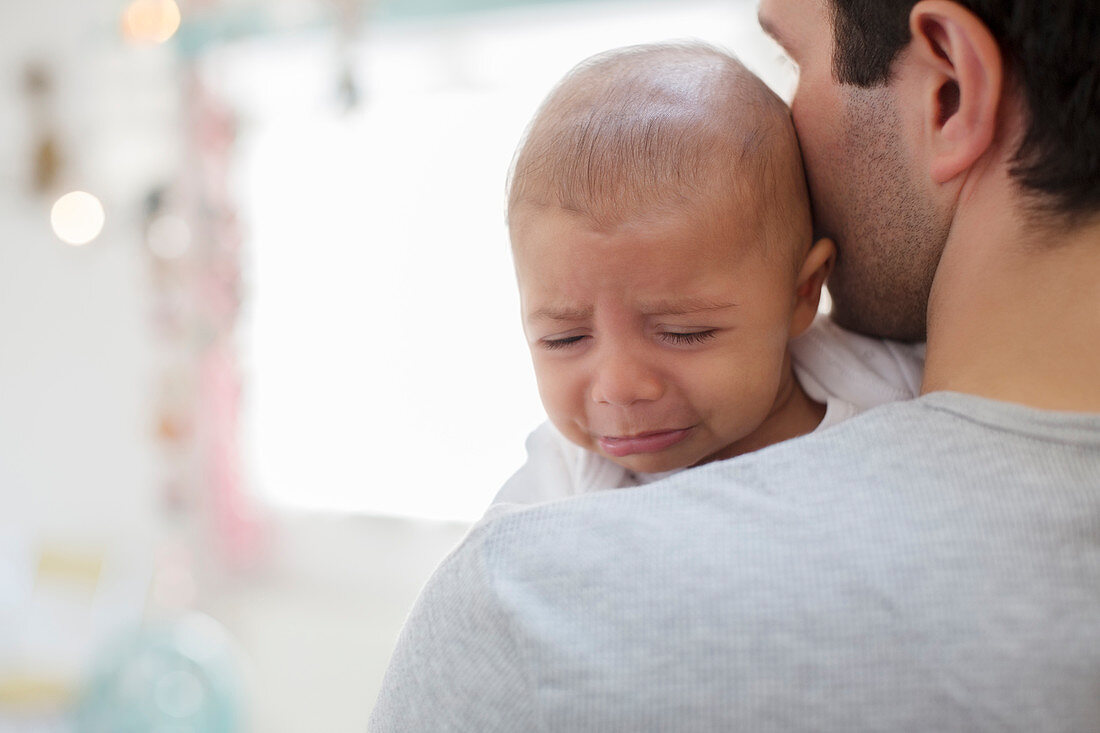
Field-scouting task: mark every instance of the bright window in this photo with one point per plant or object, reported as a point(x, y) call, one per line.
point(385, 370)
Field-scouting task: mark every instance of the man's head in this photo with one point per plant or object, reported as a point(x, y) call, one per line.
point(1050, 51)
point(662, 239)
point(869, 153)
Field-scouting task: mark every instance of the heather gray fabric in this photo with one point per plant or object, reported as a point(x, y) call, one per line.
point(927, 566)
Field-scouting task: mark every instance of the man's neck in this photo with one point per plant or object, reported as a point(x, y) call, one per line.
point(1015, 313)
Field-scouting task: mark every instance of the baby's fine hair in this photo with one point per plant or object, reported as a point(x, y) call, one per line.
point(644, 130)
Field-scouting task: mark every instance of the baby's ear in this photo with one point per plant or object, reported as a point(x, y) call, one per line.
point(811, 278)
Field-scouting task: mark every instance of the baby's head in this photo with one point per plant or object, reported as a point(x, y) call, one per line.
point(661, 232)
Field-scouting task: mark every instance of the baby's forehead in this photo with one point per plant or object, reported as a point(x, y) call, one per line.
point(700, 234)
point(715, 204)
point(713, 229)
point(569, 270)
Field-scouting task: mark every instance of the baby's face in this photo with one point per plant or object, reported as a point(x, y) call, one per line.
point(660, 344)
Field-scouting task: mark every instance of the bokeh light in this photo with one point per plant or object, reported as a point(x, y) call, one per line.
point(151, 21)
point(77, 218)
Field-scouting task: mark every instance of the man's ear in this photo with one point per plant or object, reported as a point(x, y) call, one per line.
point(962, 88)
point(811, 278)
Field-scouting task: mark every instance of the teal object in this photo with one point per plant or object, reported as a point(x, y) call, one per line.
point(177, 678)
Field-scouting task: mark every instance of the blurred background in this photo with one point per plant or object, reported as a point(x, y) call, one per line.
point(260, 358)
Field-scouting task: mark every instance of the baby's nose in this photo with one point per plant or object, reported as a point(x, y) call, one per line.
point(622, 379)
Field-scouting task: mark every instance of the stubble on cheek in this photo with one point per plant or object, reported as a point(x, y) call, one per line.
point(891, 238)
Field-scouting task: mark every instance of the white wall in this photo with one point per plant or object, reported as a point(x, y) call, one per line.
point(75, 361)
point(78, 462)
point(76, 347)
point(382, 302)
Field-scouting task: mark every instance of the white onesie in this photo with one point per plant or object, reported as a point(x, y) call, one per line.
point(846, 372)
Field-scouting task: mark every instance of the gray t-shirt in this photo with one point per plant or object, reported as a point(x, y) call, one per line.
point(927, 566)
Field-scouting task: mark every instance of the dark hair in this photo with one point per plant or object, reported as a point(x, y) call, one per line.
point(1051, 50)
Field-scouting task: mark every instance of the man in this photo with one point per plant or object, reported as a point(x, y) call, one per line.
point(928, 566)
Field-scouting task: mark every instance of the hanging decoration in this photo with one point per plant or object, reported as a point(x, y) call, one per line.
point(212, 133)
point(350, 18)
point(47, 159)
point(194, 243)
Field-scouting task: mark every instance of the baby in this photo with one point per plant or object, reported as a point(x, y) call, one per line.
point(669, 279)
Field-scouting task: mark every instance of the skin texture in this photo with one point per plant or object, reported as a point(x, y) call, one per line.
point(865, 180)
point(615, 356)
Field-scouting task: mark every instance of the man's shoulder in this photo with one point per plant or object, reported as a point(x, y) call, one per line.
point(934, 530)
point(760, 468)
point(873, 463)
point(756, 491)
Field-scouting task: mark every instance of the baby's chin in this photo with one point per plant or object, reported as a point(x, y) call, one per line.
point(658, 463)
point(652, 463)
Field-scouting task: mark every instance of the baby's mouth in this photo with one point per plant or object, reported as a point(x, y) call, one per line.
point(648, 442)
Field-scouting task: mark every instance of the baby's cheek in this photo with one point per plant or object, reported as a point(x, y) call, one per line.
point(747, 383)
point(563, 398)
point(548, 380)
point(569, 428)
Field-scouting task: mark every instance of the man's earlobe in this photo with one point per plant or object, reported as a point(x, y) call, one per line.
point(964, 77)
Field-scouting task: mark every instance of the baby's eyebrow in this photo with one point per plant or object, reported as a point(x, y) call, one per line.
point(684, 306)
point(677, 307)
point(556, 313)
